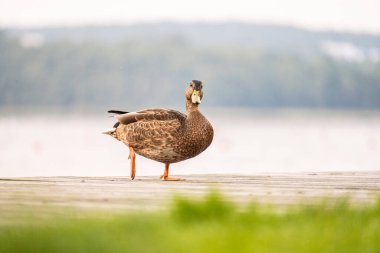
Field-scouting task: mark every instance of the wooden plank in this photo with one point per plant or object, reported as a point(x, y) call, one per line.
point(121, 193)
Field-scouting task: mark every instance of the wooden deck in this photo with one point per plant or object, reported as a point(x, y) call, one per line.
point(121, 193)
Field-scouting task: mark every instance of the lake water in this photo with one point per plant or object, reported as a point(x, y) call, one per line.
point(246, 141)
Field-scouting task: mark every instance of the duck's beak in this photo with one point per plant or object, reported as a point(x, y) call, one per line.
point(195, 98)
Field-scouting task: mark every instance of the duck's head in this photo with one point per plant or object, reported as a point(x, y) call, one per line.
point(194, 92)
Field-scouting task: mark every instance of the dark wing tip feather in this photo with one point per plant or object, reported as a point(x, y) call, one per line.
point(117, 112)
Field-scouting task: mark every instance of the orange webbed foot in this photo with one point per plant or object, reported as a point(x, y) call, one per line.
point(165, 176)
point(171, 178)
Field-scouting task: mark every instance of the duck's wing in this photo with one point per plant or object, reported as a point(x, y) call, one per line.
point(151, 127)
point(151, 115)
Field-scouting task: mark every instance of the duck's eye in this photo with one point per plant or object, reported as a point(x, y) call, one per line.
point(191, 85)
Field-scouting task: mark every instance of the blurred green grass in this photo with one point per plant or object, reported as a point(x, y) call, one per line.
point(207, 225)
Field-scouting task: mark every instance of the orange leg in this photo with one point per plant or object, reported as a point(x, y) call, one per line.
point(132, 156)
point(166, 177)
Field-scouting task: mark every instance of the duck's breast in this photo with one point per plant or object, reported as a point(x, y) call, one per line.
point(197, 138)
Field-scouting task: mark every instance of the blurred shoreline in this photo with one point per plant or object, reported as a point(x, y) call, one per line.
point(228, 112)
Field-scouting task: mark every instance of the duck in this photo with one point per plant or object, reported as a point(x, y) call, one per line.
point(165, 135)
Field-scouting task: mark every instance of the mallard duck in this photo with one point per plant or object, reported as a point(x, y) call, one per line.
point(165, 135)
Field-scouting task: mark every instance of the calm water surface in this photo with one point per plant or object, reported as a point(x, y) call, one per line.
point(245, 142)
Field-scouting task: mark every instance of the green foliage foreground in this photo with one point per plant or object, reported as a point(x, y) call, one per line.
point(209, 225)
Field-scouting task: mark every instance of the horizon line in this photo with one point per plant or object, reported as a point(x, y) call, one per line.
point(186, 22)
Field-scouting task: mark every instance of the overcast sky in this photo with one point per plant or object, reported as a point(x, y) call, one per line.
point(349, 15)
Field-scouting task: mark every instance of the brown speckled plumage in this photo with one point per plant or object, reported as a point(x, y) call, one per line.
point(166, 135)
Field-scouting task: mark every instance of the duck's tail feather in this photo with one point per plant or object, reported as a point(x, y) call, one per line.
point(117, 112)
point(110, 131)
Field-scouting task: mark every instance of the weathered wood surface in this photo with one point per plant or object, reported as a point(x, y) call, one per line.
point(121, 193)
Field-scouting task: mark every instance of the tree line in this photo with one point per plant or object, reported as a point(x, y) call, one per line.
point(137, 73)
